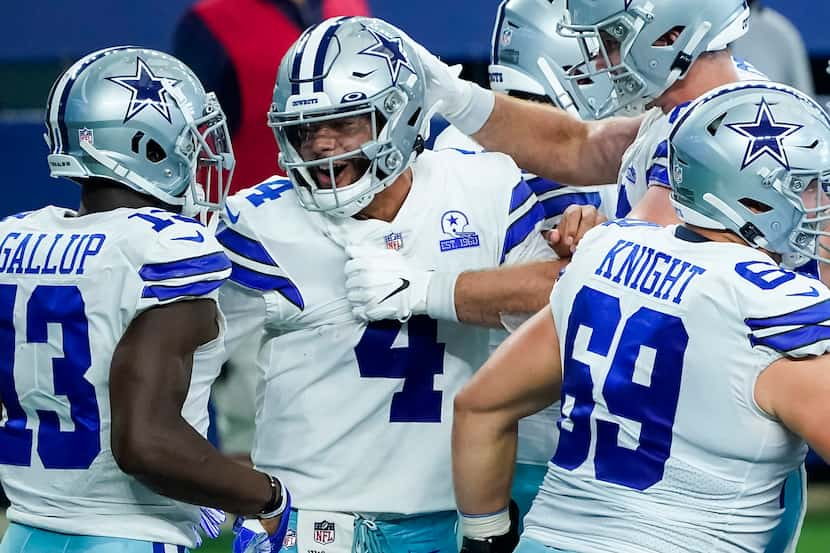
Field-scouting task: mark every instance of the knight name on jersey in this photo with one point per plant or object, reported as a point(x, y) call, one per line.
point(47, 254)
point(647, 270)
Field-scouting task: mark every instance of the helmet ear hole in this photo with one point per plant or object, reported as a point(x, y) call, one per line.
point(414, 119)
point(713, 127)
point(754, 205)
point(154, 152)
point(136, 142)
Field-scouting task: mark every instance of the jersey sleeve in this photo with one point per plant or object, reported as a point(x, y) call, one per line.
point(787, 313)
point(523, 240)
point(658, 173)
point(183, 262)
point(253, 266)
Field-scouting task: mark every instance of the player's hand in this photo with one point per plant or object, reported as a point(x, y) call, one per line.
point(383, 284)
point(575, 222)
point(465, 104)
point(262, 535)
point(210, 523)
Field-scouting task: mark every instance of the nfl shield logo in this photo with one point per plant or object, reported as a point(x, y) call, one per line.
point(324, 532)
point(394, 241)
point(290, 538)
point(85, 135)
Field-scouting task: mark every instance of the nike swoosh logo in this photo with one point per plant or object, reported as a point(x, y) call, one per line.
point(404, 285)
point(233, 218)
point(360, 75)
point(195, 238)
point(813, 293)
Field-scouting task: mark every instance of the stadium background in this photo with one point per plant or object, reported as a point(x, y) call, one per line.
point(42, 37)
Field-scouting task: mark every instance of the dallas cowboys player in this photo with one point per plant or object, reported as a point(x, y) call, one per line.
point(661, 449)
point(528, 60)
point(675, 51)
point(361, 268)
point(102, 313)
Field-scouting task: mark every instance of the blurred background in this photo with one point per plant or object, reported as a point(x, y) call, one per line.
point(43, 37)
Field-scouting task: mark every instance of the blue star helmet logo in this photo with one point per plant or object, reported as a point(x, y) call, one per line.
point(391, 50)
point(146, 89)
point(766, 136)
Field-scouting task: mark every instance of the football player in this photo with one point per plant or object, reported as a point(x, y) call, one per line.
point(674, 51)
point(103, 311)
point(529, 59)
point(363, 267)
point(691, 361)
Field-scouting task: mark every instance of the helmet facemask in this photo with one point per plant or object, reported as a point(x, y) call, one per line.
point(206, 145)
point(608, 41)
point(809, 193)
point(383, 161)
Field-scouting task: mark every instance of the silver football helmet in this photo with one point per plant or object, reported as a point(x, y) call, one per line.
point(140, 117)
point(530, 58)
point(754, 158)
point(647, 66)
point(343, 68)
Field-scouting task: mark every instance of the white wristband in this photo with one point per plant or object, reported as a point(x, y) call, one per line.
point(480, 527)
point(472, 116)
point(441, 296)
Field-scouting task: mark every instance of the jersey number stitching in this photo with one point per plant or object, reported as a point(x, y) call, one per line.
point(417, 364)
point(651, 407)
point(58, 449)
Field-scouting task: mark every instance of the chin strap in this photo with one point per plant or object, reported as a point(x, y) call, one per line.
point(133, 179)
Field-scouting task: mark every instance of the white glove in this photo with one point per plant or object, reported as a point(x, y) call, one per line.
point(465, 104)
point(383, 284)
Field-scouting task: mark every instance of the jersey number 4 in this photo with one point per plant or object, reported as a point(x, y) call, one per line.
point(416, 363)
point(58, 449)
point(642, 388)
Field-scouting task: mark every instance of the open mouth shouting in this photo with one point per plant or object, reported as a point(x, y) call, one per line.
point(340, 173)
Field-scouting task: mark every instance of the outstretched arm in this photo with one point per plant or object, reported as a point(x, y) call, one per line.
point(482, 296)
point(551, 143)
point(523, 376)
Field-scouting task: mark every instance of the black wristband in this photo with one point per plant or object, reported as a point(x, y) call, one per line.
point(275, 501)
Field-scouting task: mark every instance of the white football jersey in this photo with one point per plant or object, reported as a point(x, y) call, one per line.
point(356, 417)
point(644, 163)
point(554, 197)
point(537, 434)
point(69, 288)
point(662, 446)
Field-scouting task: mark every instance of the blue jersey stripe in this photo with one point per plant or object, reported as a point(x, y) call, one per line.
point(521, 229)
point(541, 186)
point(244, 246)
point(265, 283)
point(158, 547)
point(794, 339)
point(182, 268)
point(662, 150)
point(521, 192)
point(623, 205)
point(164, 293)
point(658, 174)
point(811, 315)
point(553, 207)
